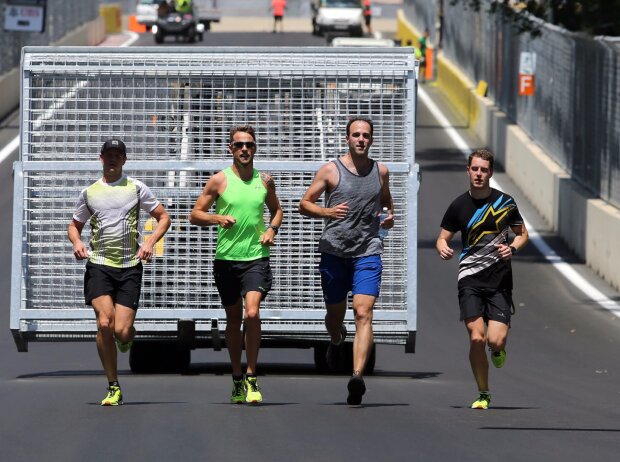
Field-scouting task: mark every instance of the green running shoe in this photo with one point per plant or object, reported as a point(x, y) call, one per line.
point(238, 392)
point(483, 401)
point(498, 358)
point(114, 397)
point(253, 394)
point(124, 347)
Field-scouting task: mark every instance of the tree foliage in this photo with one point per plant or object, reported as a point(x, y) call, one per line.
point(594, 17)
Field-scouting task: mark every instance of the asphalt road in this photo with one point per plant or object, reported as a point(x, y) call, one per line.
point(557, 398)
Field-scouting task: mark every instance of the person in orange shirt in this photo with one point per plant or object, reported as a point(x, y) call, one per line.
point(367, 15)
point(278, 7)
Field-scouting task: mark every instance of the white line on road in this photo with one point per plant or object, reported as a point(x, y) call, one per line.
point(9, 148)
point(553, 258)
point(133, 36)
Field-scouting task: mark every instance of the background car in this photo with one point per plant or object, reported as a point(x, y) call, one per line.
point(146, 12)
point(337, 17)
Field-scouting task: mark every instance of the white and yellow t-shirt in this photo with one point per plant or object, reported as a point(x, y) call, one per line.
point(114, 212)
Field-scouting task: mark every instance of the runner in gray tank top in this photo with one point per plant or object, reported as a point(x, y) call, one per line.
point(356, 189)
point(357, 234)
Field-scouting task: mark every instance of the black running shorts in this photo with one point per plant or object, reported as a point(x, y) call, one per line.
point(122, 284)
point(491, 304)
point(234, 279)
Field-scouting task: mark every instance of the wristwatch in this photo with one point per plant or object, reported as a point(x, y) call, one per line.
point(513, 249)
point(275, 228)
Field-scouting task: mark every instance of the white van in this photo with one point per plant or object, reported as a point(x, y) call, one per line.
point(337, 17)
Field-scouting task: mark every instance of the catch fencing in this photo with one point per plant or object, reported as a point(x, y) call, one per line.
point(575, 113)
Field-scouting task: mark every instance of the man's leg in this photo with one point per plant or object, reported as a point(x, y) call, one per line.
point(124, 317)
point(104, 311)
point(234, 341)
point(497, 334)
point(252, 329)
point(363, 307)
point(477, 353)
point(334, 319)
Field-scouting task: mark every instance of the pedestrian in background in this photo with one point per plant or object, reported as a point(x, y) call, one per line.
point(278, 7)
point(367, 10)
point(484, 216)
point(113, 278)
point(423, 46)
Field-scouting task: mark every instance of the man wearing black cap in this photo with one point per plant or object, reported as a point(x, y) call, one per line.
point(113, 276)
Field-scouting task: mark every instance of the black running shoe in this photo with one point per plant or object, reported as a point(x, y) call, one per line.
point(356, 388)
point(334, 354)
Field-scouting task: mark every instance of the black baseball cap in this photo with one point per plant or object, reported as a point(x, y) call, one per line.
point(114, 143)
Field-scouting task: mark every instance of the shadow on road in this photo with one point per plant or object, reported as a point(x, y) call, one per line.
point(224, 369)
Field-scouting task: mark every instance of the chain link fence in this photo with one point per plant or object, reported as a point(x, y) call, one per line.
point(574, 115)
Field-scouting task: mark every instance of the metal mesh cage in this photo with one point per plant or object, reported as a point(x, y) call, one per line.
point(173, 110)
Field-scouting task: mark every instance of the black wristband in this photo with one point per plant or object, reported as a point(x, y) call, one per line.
point(513, 249)
point(275, 228)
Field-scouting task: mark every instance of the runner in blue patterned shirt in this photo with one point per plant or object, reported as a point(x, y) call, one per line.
point(484, 216)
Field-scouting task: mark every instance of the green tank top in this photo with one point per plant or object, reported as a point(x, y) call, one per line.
point(245, 201)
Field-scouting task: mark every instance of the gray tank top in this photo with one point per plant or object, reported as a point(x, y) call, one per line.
point(357, 235)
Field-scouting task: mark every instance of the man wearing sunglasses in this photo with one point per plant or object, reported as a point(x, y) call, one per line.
point(241, 269)
point(357, 188)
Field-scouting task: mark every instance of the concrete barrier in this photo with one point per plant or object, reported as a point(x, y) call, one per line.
point(91, 33)
point(9, 82)
point(601, 240)
point(111, 14)
point(535, 174)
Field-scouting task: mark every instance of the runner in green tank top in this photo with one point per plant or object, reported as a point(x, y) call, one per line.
point(241, 269)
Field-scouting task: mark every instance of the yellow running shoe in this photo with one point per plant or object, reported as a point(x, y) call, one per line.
point(253, 391)
point(483, 401)
point(498, 358)
point(114, 398)
point(238, 392)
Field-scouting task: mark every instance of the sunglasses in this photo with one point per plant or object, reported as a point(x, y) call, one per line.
point(247, 144)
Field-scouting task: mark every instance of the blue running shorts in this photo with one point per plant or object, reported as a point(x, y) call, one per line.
point(339, 276)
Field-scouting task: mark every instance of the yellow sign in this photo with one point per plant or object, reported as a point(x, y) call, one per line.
point(150, 224)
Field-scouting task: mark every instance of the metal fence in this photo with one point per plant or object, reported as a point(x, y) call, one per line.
point(173, 108)
point(574, 115)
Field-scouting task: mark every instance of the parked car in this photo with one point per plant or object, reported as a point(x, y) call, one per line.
point(337, 17)
point(146, 12)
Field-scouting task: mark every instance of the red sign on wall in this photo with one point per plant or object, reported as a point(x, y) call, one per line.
point(526, 85)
